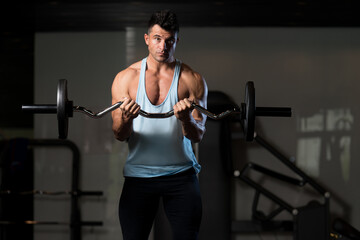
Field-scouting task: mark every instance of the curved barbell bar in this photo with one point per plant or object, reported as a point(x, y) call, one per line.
point(156, 115)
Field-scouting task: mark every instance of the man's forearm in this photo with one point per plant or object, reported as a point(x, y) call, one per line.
point(122, 131)
point(193, 130)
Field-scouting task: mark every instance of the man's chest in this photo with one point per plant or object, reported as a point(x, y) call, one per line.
point(157, 87)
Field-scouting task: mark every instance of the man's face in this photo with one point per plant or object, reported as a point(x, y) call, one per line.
point(161, 43)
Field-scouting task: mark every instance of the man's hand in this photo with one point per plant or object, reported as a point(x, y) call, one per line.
point(129, 109)
point(183, 109)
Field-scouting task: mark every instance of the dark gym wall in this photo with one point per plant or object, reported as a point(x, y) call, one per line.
point(312, 70)
point(16, 74)
point(89, 61)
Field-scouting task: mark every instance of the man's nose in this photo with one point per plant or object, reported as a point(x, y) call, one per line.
point(163, 45)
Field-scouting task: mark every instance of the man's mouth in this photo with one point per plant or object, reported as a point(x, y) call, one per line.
point(163, 53)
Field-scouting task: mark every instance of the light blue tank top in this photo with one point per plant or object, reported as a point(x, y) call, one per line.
point(157, 146)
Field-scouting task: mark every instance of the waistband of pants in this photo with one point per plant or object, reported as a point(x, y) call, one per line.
point(189, 172)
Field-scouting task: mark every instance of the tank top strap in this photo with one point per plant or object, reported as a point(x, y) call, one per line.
point(175, 81)
point(141, 86)
point(177, 69)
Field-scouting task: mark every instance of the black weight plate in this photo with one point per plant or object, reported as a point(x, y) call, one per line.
point(249, 121)
point(62, 102)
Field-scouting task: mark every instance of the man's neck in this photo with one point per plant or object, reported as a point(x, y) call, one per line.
point(158, 66)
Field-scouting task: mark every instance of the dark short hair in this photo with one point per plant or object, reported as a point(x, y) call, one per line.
point(166, 19)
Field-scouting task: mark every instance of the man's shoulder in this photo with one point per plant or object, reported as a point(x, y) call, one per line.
point(189, 74)
point(130, 72)
point(135, 66)
point(193, 81)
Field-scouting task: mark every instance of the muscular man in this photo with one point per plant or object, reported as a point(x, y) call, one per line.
point(161, 162)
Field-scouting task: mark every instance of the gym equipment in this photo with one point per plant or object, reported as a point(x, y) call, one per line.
point(247, 112)
point(41, 192)
point(345, 229)
point(309, 222)
point(71, 224)
point(12, 225)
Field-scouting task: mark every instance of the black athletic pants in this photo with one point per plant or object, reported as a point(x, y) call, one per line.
point(182, 204)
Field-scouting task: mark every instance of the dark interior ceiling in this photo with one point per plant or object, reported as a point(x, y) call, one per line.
point(100, 15)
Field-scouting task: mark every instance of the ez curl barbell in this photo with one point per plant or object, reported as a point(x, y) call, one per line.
point(247, 111)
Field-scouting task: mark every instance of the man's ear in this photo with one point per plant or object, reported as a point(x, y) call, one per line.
point(146, 37)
